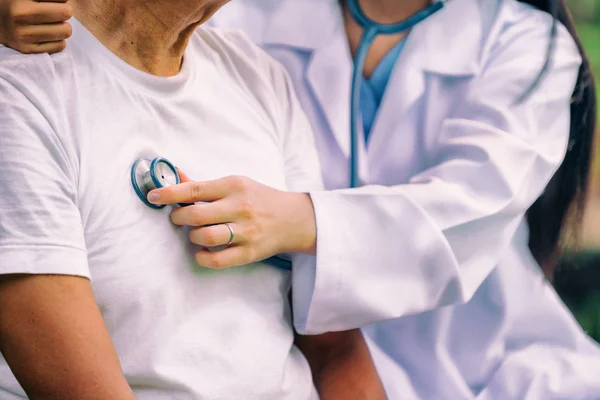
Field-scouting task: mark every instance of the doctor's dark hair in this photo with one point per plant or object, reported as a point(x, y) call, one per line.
point(559, 210)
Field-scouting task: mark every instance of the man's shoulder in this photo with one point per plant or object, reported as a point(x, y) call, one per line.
point(233, 44)
point(236, 55)
point(33, 75)
point(31, 93)
point(13, 63)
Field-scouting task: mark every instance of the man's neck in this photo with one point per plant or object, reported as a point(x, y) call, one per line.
point(150, 35)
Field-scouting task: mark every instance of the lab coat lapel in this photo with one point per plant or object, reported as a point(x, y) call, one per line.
point(329, 75)
point(447, 44)
point(405, 87)
point(317, 26)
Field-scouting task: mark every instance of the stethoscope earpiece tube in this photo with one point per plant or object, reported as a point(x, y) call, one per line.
point(371, 30)
point(360, 58)
point(391, 29)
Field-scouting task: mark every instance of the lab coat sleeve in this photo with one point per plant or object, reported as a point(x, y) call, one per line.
point(386, 252)
point(40, 225)
point(543, 371)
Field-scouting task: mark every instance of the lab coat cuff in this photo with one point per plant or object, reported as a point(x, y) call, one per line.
point(303, 286)
point(367, 268)
point(316, 279)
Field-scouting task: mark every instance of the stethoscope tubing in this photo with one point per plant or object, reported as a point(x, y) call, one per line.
point(371, 30)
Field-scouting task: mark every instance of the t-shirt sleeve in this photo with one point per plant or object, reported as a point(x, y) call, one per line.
point(41, 229)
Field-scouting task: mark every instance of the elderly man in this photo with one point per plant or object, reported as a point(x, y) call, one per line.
point(100, 295)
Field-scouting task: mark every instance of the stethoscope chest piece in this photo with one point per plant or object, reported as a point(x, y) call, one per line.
point(147, 175)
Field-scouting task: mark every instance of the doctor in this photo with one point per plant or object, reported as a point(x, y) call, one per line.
point(441, 254)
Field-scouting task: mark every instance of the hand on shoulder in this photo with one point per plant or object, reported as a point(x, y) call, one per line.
point(32, 26)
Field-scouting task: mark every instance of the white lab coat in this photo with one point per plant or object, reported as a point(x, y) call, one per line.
point(431, 256)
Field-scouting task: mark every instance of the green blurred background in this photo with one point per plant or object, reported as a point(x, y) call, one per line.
point(578, 277)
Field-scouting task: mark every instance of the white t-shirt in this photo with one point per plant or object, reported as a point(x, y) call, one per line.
point(71, 126)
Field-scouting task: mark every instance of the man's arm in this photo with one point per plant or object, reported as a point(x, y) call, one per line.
point(52, 334)
point(54, 339)
point(342, 366)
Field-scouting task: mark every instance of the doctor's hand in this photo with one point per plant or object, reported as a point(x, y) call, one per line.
point(264, 221)
point(35, 26)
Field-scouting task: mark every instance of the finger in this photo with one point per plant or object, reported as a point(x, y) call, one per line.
point(183, 176)
point(189, 192)
point(48, 47)
point(34, 13)
point(234, 256)
point(218, 212)
point(216, 235)
point(37, 34)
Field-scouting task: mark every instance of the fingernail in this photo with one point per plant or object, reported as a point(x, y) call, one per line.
point(153, 197)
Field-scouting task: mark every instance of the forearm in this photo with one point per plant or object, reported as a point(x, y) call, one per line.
point(301, 233)
point(342, 366)
point(53, 337)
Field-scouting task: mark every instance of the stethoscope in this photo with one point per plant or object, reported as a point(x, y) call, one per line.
point(147, 175)
point(371, 30)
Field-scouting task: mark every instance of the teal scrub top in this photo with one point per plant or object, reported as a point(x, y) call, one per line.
point(373, 89)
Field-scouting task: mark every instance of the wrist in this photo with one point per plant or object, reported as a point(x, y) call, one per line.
point(300, 230)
